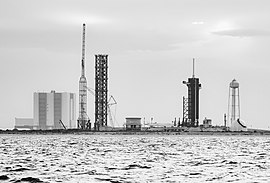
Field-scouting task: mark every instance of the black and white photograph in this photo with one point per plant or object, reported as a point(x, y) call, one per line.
point(134, 91)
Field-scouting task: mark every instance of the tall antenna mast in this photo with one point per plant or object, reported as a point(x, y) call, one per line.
point(193, 75)
point(83, 50)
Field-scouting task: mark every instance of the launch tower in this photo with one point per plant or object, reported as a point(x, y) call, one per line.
point(191, 103)
point(83, 120)
point(101, 91)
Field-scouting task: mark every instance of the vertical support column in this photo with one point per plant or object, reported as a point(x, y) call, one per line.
point(194, 86)
point(197, 101)
point(185, 112)
point(101, 91)
point(190, 103)
point(238, 104)
point(233, 104)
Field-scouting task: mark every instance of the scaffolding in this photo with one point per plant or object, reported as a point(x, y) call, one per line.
point(83, 119)
point(101, 91)
point(185, 112)
point(192, 102)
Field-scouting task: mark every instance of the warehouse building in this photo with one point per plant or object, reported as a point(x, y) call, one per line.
point(133, 124)
point(50, 108)
point(24, 123)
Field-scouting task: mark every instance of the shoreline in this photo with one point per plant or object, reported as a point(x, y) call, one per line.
point(121, 132)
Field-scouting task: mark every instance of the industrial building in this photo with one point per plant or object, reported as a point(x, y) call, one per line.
point(24, 123)
point(133, 124)
point(191, 103)
point(54, 110)
point(207, 123)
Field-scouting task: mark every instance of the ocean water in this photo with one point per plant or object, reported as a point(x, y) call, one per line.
point(134, 158)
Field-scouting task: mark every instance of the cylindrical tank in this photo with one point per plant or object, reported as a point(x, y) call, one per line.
point(234, 84)
point(234, 104)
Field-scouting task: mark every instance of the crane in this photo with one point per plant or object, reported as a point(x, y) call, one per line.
point(83, 50)
point(110, 103)
point(109, 108)
point(91, 90)
point(60, 121)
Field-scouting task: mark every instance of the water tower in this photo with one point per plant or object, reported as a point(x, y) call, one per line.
point(234, 101)
point(234, 108)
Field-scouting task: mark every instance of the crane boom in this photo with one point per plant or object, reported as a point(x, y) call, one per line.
point(83, 49)
point(110, 102)
point(91, 90)
point(60, 121)
point(110, 115)
point(113, 99)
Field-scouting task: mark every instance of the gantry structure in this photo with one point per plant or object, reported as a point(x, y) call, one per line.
point(191, 103)
point(101, 91)
point(83, 119)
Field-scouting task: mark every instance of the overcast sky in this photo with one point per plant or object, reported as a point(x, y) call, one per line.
point(150, 44)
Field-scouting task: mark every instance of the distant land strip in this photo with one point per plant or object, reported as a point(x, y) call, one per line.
point(123, 132)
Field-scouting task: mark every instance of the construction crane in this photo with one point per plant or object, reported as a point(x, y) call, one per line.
point(110, 103)
point(61, 123)
point(91, 90)
point(109, 108)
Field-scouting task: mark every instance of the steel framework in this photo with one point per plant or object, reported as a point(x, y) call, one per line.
point(110, 103)
point(101, 91)
point(194, 86)
point(83, 120)
point(185, 112)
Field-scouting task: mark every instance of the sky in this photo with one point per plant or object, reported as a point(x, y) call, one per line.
point(150, 44)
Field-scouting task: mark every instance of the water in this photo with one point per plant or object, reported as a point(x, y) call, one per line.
point(127, 158)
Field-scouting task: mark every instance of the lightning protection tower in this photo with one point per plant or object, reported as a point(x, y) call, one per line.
point(192, 117)
point(101, 91)
point(83, 120)
point(234, 102)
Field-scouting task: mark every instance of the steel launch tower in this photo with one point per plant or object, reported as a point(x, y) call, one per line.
point(101, 91)
point(83, 120)
point(191, 103)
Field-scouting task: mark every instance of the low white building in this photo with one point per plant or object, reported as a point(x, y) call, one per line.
point(207, 123)
point(24, 123)
point(50, 108)
point(133, 123)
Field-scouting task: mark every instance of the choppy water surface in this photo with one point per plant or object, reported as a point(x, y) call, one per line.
point(150, 158)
